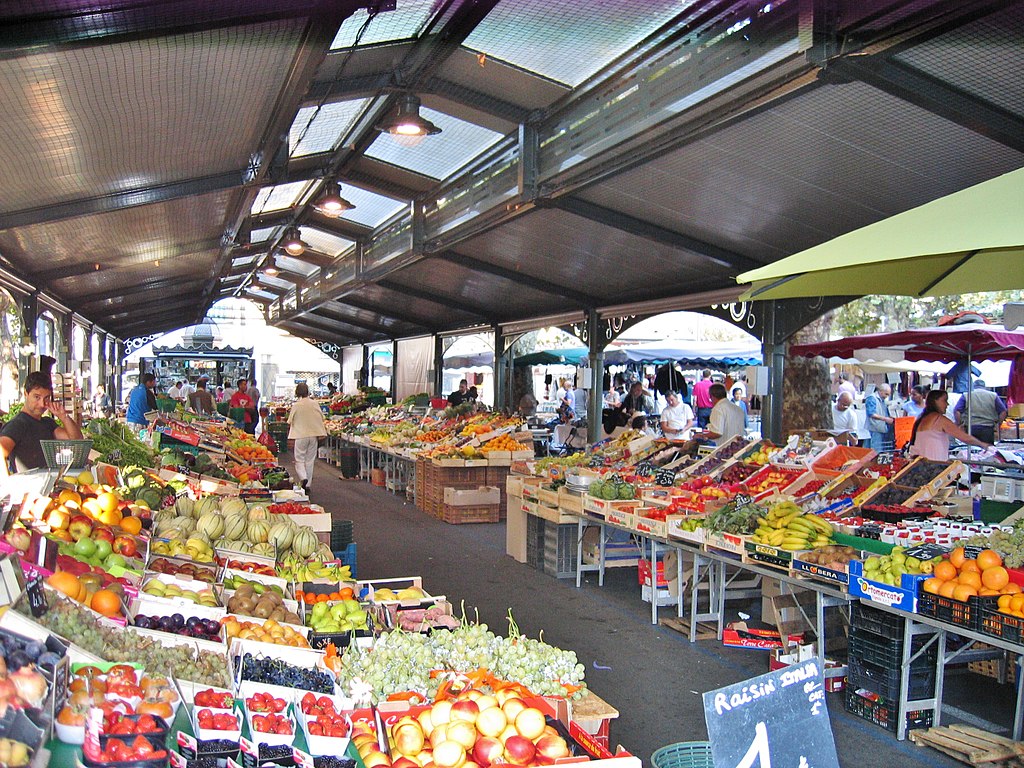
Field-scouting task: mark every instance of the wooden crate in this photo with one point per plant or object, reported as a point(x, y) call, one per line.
point(487, 513)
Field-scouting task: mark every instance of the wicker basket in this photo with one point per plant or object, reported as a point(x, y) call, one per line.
point(79, 452)
point(685, 754)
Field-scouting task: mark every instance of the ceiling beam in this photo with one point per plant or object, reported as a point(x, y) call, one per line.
point(933, 95)
point(536, 283)
point(302, 332)
point(291, 277)
point(470, 97)
point(166, 309)
point(442, 301)
point(723, 257)
point(313, 258)
point(327, 310)
point(330, 328)
point(259, 284)
point(116, 201)
point(366, 172)
point(351, 300)
point(346, 228)
point(179, 284)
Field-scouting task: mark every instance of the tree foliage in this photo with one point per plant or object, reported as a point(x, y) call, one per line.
point(880, 314)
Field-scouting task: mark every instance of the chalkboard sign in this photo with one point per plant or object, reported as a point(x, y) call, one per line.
point(777, 719)
point(35, 595)
point(885, 457)
point(926, 551)
point(644, 468)
point(665, 477)
point(742, 499)
point(596, 461)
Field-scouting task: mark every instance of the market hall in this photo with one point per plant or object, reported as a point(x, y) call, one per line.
point(162, 157)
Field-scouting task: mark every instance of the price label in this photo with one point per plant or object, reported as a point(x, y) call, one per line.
point(35, 595)
point(665, 477)
point(776, 719)
point(884, 458)
point(596, 461)
point(742, 499)
point(644, 468)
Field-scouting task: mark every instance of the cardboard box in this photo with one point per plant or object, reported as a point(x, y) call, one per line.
point(738, 635)
point(484, 495)
point(515, 530)
point(676, 531)
point(903, 597)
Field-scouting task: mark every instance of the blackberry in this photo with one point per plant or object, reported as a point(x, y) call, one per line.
point(217, 745)
point(330, 761)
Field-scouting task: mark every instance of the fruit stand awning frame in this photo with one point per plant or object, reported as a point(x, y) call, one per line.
point(971, 240)
point(730, 354)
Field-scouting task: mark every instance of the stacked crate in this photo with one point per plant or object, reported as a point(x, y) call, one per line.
point(874, 679)
point(497, 476)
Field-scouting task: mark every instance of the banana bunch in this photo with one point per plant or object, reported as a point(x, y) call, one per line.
point(787, 527)
point(312, 571)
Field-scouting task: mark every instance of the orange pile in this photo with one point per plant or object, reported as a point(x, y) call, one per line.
point(961, 578)
point(309, 598)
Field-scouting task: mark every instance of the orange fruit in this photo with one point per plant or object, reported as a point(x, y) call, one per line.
point(932, 585)
point(1012, 588)
point(986, 592)
point(944, 571)
point(947, 587)
point(106, 602)
point(1004, 602)
point(68, 495)
point(347, 593)
point(970, 579)
point(995, 577)
point(962, 591)
point(107, 501)
point(66, 583)
point(970, 566)
point(1016, 602)
point(957, 557)
point(989, 558)
point(132, 525)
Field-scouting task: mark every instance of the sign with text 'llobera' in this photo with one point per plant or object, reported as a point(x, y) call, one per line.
point(777, 720)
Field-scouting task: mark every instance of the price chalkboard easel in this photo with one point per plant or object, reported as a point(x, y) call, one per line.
point(777, 719)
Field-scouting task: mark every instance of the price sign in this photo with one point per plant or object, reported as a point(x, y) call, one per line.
point(596, 461)
point(776, 719)
point(742, 499)
point(644, 468)
point(884, 458)
point(665, 477)
point(926, 551)
point(35, 595)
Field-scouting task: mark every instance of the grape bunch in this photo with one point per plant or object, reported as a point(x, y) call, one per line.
point(261, 669)
point(1009, 545)
point(69, 620)
point(402, 661)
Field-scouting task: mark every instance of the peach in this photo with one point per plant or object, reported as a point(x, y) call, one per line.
point(491, 722)
point(519, 750)
point(530, 723)
point(462, 732)
point(449, 754)
point(466, 710)
point(488, 750)
point(553, 747)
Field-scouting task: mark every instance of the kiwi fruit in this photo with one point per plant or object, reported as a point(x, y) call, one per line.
point(263, 609)
point(277, 614)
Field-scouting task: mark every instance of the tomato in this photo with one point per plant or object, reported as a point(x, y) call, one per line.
point(315, 729)
point(142, 748)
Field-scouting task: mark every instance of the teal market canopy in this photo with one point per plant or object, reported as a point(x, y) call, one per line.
point(731, 354)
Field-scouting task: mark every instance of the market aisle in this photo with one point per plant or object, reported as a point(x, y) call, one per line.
point(652, 675)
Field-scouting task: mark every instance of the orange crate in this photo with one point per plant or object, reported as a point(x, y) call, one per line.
point(488, 513)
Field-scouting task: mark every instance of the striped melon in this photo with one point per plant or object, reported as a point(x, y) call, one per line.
point(259, 513)
point(234, 526)
point(184, 505)
point(258, 531)
point(281, 537)
point(304, 542)
point(232, 505)
point(265, 549)
point(205, 506)
point(212, 525)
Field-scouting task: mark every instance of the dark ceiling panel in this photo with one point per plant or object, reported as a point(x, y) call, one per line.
point(367, 318)
point(587, 256)
point(384, 301)
point(95, 120)
point(478, 292)
point(809, 169)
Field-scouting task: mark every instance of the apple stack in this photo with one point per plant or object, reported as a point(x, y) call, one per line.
point(475, 728)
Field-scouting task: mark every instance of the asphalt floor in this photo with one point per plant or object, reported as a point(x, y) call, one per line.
point(651, 674)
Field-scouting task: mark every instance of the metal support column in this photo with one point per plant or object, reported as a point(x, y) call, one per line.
point(66, 349)
point(119, 354)
point(439, 366)
point(365, 374)
point(595, 359)
point(101, 364)
point(394, 371)
point(29, 309)
point(775, 358)
point(501, 377)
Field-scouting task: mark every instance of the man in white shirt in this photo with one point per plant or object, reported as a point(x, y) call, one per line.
point(677, 418)
point(175, 391)
point(727, 419)
point(186, 390)
point(845, 418)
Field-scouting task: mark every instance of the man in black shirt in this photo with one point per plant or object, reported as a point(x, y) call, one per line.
point(19, 440)
point(459, 396)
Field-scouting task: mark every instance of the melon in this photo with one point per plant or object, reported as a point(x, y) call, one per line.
point(258, 531)
point(212, 525)
point(232, 505)
point(304, 542)
point(204, 506)
point(234, 526)
point(184, 524)
point(259, 513)
point(281, 536)
point(184, 506)
point(266, 549)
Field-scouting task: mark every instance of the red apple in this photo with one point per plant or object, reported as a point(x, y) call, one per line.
point(79, 527)
point(125, 545)
point(487, 750)
point(19, 538)
point(102, 532)
point(519, 750)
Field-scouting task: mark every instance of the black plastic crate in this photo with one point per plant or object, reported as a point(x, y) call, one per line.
point(561, 543)
point(341, 534)
point(998, 624)
point(883, 713)
point(875, 620)
point(888, 651)
point(886, 682)
point(535, 542)
point(955, 612)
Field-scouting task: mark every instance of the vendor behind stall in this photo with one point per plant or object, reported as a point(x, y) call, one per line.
point(19, 440)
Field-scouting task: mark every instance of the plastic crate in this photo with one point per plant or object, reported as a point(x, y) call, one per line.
point(886, 681)
point(955, 612)
point(341, 534)
point(79, 452)
point(535, 541)
point(560, 549)
point(888, 651)
point(883, 713)
point(998, 624)
point(875, 620)
point(347, 556)
point(685, 754)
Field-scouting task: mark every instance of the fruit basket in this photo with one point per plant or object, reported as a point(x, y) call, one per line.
point(60, 454)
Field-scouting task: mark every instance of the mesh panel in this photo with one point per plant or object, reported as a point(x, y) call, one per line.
point(94, 120)
point(294, 265)
point(279, 197)
point(984, 58)
point(402, 23)
point(370, 209)
point(261, 235)
point(555, 39)
point(320, 129)
point(325, 242)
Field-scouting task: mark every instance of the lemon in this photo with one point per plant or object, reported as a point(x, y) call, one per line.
point(85, 478)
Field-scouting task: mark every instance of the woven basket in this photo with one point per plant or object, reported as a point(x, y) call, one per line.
point(685, 754)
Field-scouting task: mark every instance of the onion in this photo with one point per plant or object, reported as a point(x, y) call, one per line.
point(30, 685)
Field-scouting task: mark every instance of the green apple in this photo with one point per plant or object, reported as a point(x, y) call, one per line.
point(114, 560)
point(103, 549)
point(85, 547)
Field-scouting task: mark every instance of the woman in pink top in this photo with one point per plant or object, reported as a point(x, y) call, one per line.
point(933, 429)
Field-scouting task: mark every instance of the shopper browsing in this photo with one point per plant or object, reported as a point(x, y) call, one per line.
point(255, 395)
point(879, 423)
point(702, 400)
point(932, 430)
point(141, 400)
point(637, 401)
point(915, 405)
point(306, 429)
point(677, 418)
point(987, 412)
point(19, 440)
point(739, 402)
point(174, 392)
point(201, 401)
point(459, 396)
point(242, 400)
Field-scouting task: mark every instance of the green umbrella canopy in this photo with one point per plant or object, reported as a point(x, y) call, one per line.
point(971, 240)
